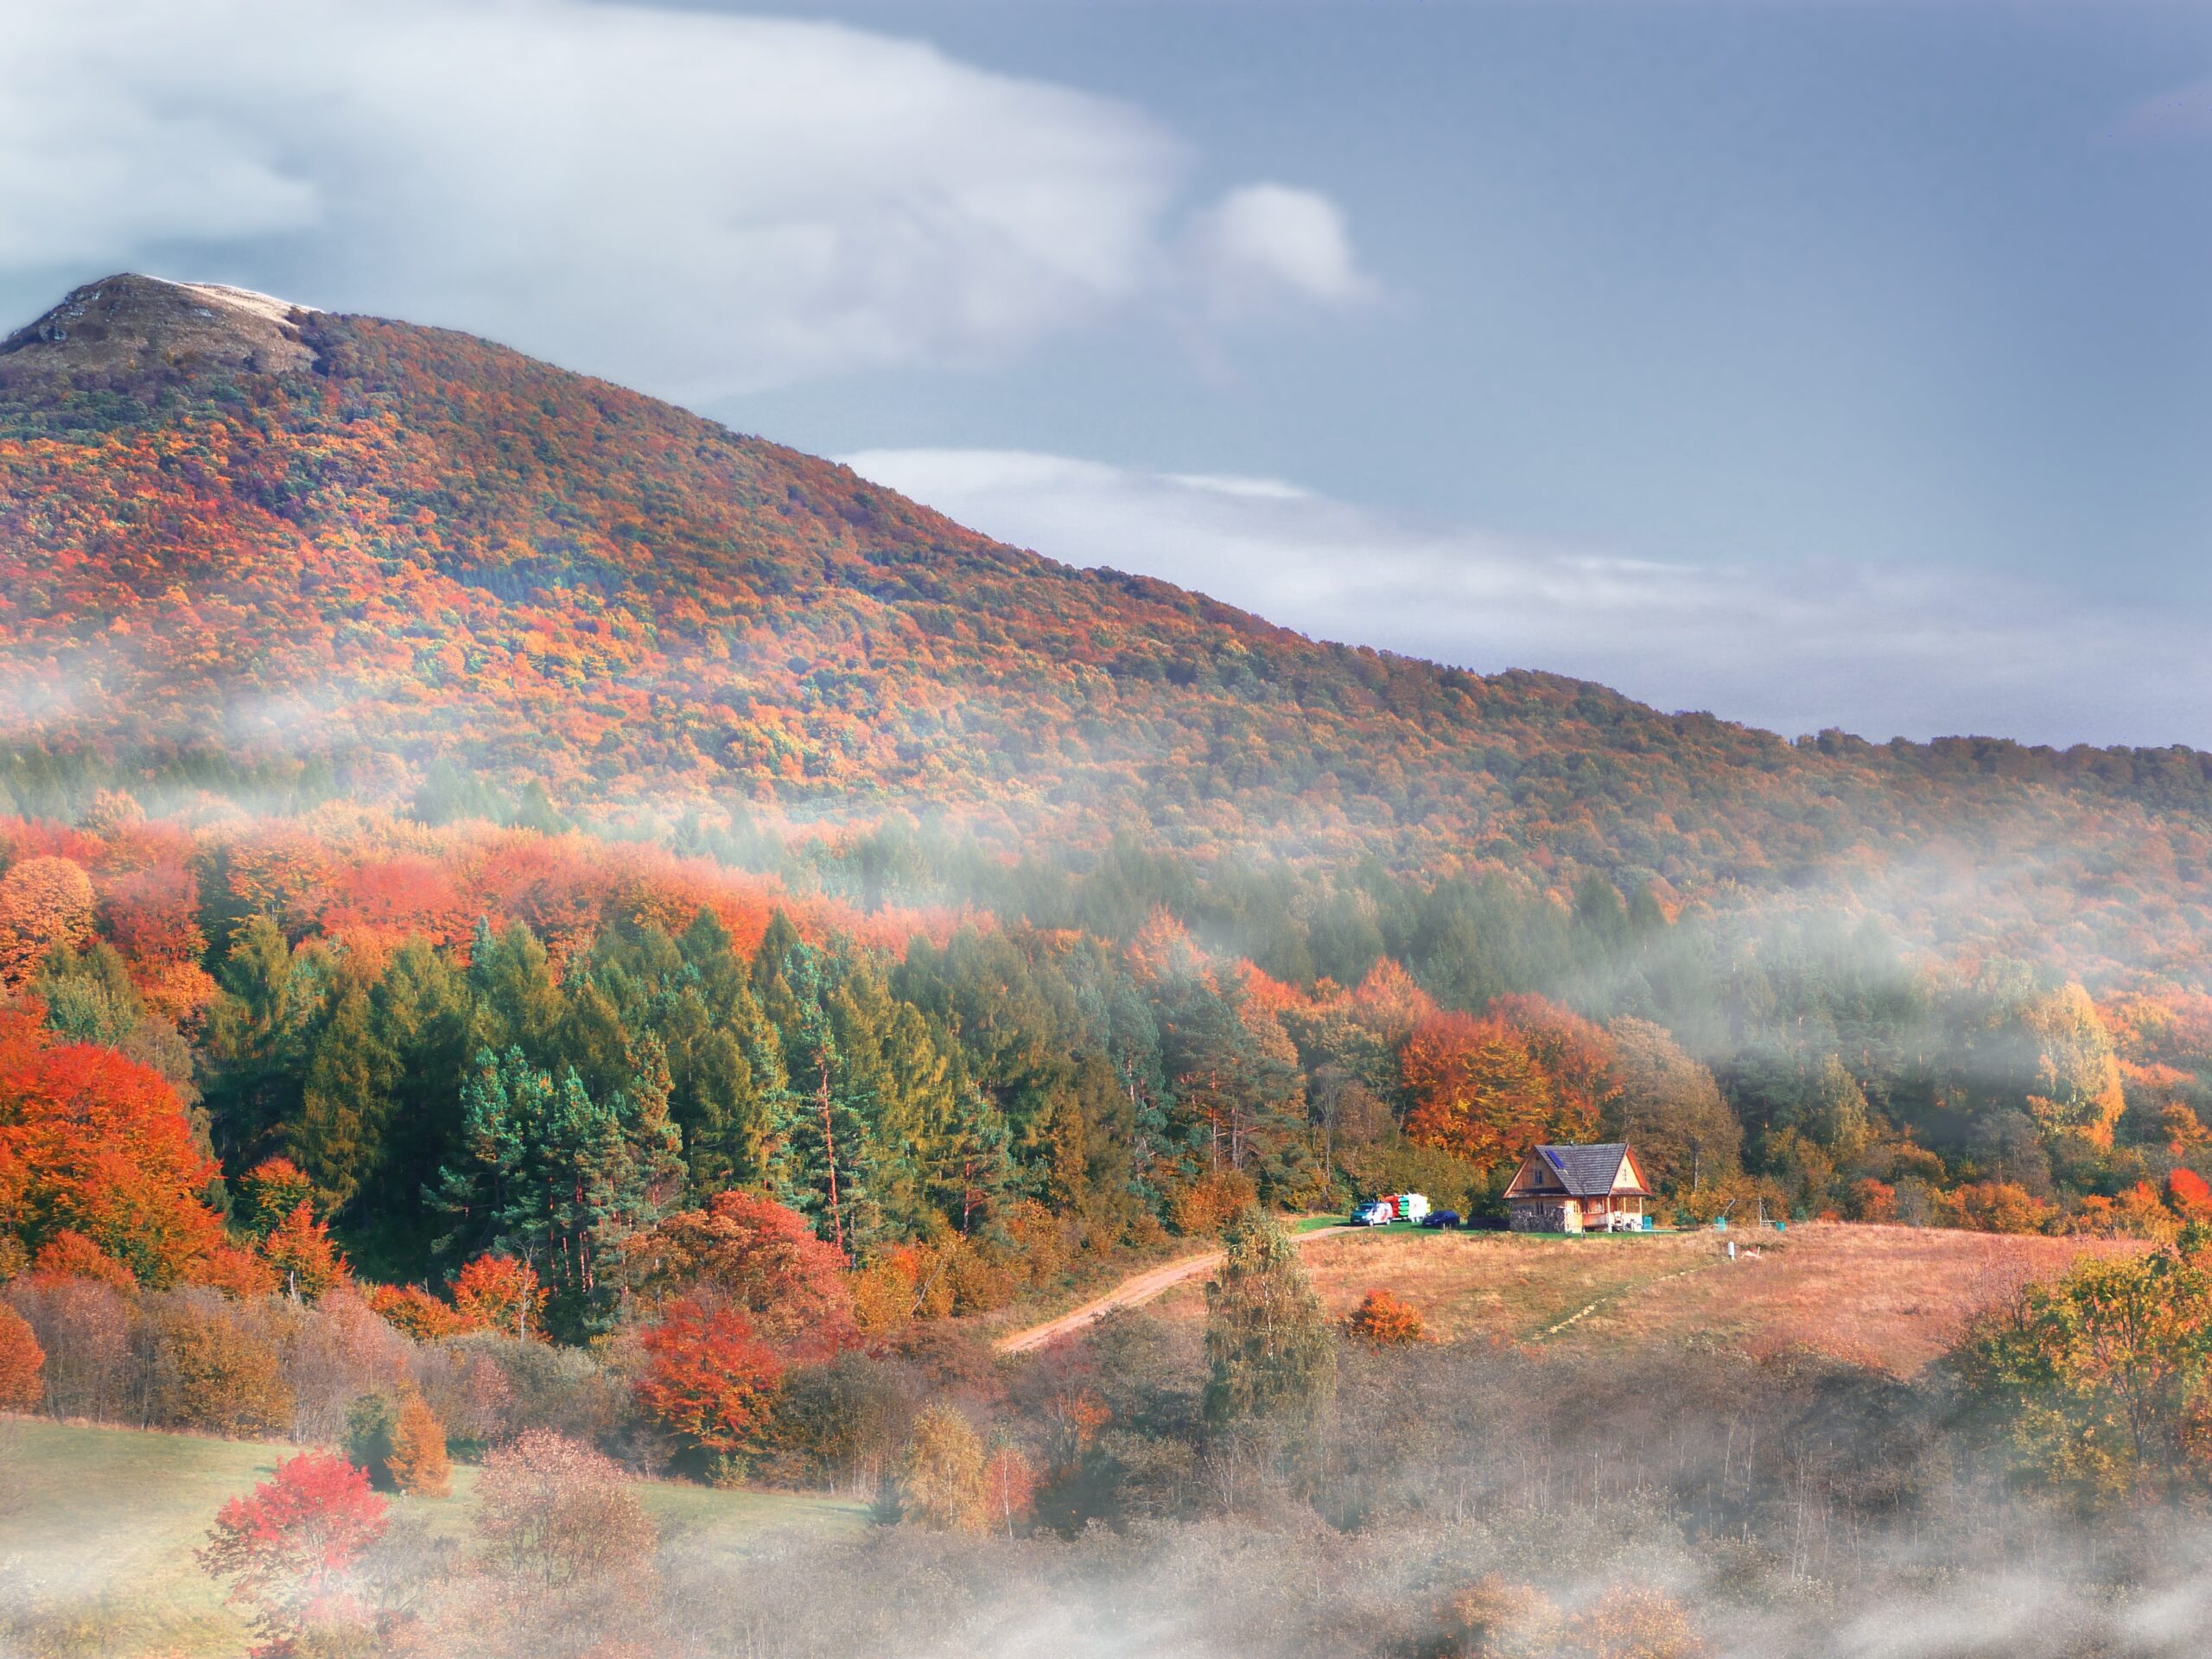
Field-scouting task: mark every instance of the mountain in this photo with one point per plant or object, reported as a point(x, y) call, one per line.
point(239, 537)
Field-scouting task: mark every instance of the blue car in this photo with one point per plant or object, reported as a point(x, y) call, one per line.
point(1448, 1220)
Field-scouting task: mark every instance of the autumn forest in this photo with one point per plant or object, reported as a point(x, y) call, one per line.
point(631, 927)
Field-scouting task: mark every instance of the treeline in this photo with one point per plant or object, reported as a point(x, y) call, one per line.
point(473, 1041)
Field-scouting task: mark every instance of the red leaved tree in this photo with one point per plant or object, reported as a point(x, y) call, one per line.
point(758, 1256)
point(707, 1378)
point(93, 1143)
point(289, 1546)
point(2190, 1196)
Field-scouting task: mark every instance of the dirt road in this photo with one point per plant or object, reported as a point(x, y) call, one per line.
point(1138, 1288)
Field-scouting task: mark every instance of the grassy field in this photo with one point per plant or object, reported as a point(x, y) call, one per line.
point(1891, 1296)
point(97, 1527)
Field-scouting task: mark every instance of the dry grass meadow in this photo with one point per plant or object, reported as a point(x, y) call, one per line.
point(1893, 1297)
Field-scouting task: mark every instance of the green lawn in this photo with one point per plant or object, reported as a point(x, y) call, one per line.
point(97, 1527)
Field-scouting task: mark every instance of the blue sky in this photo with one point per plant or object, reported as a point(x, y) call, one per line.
point(1820, 364)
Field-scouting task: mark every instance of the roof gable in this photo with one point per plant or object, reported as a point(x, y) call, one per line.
point(1581, 1171)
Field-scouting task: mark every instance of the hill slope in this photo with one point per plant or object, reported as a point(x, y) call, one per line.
point(232, 533)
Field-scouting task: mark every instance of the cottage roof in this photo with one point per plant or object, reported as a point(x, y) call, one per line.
point(1586, 1172)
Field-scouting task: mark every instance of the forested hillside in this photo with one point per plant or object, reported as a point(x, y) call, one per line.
point(468, 814)
point(296, 557)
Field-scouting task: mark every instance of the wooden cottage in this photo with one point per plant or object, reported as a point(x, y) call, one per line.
point(1578, 1189)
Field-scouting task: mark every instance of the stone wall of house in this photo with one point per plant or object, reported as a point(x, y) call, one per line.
point(1546, 1216)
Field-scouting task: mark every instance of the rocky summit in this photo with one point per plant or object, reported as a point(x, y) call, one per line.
point(128, 324)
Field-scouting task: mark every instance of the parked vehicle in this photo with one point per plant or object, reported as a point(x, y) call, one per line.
point(1446, 1219)
point(1412, 1206)
point(1377, 1212)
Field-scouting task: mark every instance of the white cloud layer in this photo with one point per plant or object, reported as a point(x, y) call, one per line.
point(1265, 241)
point(695, 203)
point(1880, 651)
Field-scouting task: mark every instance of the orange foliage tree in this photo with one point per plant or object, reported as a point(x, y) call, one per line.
point(46, 904)
point(1010, 1487)
point(414, 1309)
point(70, 1254)
point(300, 1251)
point(94, 1143)
point(417, 1463)
point(1635, 1622)
point(760, 1257)
point(1481, 1089)
point(268, 1192)
point(497, 1292)
point(708, 1376)
point(22, 1363)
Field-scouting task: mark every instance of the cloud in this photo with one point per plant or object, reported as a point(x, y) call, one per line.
point(1265, 242)
point(695, 203)
point(1881, 650)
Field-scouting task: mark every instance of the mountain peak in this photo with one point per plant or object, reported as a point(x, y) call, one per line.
point(130, 323)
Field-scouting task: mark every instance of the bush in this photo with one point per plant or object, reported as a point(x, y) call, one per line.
point(565, 1390)
point(842, 1423)
point(1385, 1320)
point(466, 1390)
point(85, 1328)
point(369, 1427)
point(557, 1512)
point(333, 1353)
point(210, 1373)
